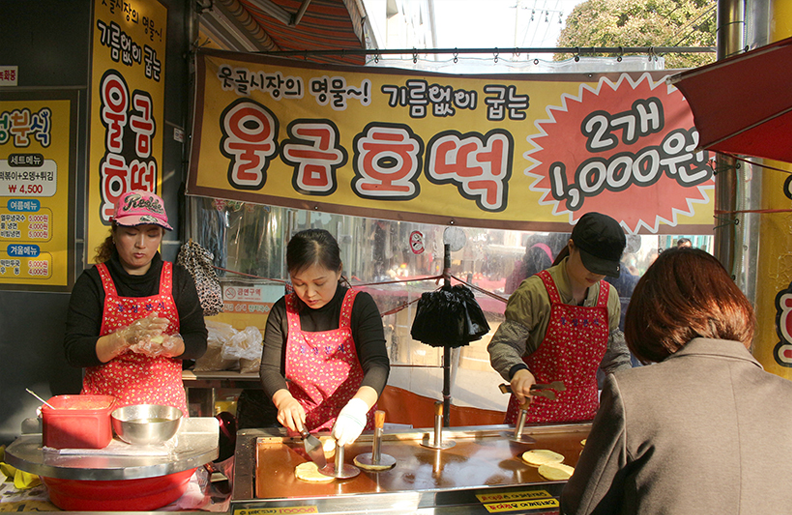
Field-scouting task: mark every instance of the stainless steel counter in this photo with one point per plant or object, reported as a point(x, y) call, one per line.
point(195, 444)
point(481, 472)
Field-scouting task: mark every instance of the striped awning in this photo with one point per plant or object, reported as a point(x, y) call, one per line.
point(286, 25)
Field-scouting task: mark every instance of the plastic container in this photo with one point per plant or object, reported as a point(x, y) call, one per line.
point(118, 495)
point(77, 422)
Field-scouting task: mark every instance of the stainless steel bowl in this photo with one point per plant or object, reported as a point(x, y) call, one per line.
point(146, 424)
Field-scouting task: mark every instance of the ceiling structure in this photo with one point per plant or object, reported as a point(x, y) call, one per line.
point(269, 26)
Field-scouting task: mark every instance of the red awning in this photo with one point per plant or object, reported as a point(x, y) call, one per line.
point(743, 104)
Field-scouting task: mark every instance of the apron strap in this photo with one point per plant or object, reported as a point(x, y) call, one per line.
point(107, 281)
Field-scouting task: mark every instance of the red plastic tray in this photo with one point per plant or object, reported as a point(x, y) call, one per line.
point(118, 495)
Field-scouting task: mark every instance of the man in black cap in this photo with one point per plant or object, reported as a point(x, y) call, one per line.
point(562, 324)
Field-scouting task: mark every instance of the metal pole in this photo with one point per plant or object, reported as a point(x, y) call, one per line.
point(446, 348)
point(729, 41)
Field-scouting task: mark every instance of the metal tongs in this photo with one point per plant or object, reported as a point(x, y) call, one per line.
point(545, 390)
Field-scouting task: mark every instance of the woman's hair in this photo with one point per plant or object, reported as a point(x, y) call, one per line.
point(686, 293)
point(313, 247)
point(105, 250)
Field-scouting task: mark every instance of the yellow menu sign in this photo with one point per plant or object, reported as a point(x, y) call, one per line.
point(36, 177)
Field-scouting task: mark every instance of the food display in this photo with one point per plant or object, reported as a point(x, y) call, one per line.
point(273, 470)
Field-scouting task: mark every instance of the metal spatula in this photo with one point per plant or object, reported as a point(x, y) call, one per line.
point(313, 447)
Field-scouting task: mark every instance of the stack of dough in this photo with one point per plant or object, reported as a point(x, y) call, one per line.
point(549, 463)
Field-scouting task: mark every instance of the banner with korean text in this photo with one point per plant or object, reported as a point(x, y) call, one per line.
point(528, 152)
point(38, 149)
point(127, 111)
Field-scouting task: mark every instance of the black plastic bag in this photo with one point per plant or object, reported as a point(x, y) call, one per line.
point(477, 325)
point(448, 317)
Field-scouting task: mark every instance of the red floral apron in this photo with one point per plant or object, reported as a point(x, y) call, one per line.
point(322, 368)
point(573, 347)
point(134, 378)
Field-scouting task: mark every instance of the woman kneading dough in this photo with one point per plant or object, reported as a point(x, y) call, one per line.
point(133, 317)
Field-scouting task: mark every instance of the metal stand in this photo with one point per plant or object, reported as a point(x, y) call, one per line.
point(339, 469)
point(437, 442)
point(446, 348)
point(518, 429)
point(375, 458)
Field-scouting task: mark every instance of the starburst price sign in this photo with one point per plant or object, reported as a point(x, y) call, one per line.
point(640, 165)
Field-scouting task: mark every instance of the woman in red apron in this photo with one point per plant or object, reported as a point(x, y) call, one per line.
point(562, 325)
point(324, 362)
point(133, 318)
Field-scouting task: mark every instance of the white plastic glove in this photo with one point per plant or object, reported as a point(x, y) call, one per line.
point(350, 422)
point(142, 330)
point(167, 345)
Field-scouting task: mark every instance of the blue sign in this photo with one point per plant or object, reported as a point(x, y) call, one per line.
point(24, 250)
point(24, 205)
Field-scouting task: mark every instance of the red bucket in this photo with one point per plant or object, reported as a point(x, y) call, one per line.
point(142, 494)
point(77, 422)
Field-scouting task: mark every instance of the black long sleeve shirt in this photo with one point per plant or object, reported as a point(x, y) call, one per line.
point(86, 304)
point(367, 332)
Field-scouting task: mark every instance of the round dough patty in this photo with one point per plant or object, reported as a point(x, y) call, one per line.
point(537, 457)
point(556, 471)
point(367, 466)
point(309, 472)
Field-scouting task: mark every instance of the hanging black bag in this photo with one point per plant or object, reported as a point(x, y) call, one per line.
point(440, 319)
point(476, 321)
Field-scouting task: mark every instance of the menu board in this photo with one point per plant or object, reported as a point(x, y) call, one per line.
point(37, 161)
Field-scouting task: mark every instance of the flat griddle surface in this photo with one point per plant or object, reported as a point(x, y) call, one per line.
point(475, 461)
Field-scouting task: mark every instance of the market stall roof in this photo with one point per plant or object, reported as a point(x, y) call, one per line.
point(742, 105)
point(285, 25)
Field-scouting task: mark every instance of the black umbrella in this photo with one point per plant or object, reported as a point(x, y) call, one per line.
point(448, 317)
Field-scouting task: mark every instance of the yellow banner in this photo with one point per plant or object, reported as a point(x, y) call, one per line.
point(502, 151)
point(37, 138)
point(127, 112)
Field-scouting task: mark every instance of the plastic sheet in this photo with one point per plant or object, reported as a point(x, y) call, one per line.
point(213, 360)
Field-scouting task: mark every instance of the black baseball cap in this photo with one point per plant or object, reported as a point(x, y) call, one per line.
point(601, 241)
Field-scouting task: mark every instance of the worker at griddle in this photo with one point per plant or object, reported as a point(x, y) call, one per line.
point(562, 324)
point(324, 362)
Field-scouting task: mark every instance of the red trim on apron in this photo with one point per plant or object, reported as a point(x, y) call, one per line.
point(572, 350)
point(322, 368)
point(134, 378)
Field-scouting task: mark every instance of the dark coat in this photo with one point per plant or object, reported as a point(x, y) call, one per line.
point(705, 431)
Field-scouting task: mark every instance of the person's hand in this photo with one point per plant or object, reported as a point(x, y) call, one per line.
point(350, 422)
point(142, 330)
point(521, 385)
point(291, 414)
point(166, 345)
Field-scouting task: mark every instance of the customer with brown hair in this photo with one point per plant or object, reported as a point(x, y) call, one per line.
point(705, 430)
